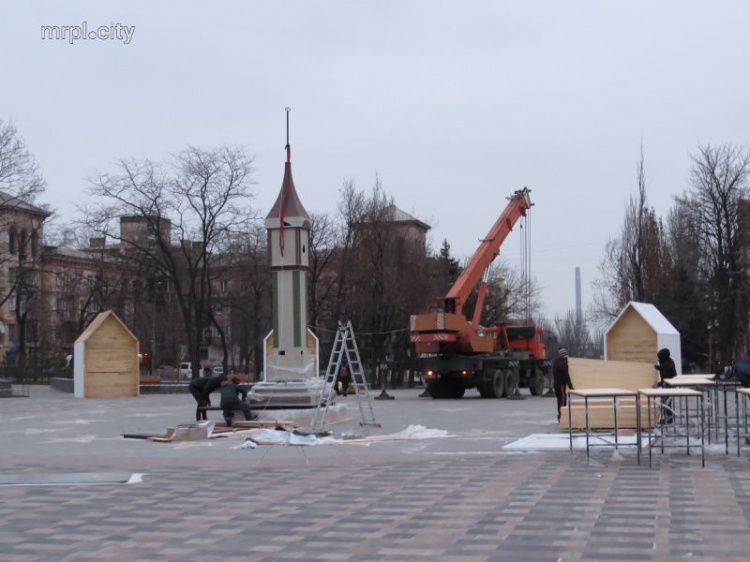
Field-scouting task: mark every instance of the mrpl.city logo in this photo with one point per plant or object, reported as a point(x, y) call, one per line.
point(84, 32)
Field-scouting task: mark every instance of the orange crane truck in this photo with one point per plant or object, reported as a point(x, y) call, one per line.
point(455, 354)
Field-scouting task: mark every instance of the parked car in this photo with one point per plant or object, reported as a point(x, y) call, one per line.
point(186, 370)
point(218, 370)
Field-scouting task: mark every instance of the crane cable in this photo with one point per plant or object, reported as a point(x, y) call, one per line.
point(527, 219)
point(526, 266)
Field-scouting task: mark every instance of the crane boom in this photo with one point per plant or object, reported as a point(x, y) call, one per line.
point(456, 353)
point(443, 326)
point(489, 248)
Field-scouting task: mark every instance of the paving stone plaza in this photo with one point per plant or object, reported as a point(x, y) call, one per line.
point(459, 498)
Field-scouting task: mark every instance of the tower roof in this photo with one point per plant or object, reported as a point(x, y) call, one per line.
point(287, 203)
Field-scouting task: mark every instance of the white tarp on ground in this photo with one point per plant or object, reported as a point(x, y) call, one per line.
point(561, 442)
point(411, 432)
point(274, 437)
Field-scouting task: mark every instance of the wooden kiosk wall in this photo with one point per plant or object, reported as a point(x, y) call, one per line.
point(106, 360)
point(632, 339)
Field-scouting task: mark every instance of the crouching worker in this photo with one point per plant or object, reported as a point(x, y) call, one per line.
point(201, 389)
point(230, 392)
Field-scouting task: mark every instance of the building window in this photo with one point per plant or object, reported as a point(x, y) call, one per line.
point(62, 308)
point(223, 287)
point(12, 273)
point(12, 332)
point(12, 241)
point(23, 240)
point(34, 244)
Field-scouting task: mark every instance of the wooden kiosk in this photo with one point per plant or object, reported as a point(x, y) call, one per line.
point(105, 363)
point(638, 333)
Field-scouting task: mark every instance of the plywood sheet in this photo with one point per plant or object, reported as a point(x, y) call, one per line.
point(111, 385)
point(595, 373)
point(601, 415)
point(114, 361)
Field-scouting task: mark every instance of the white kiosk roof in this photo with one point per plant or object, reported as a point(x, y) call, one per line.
point(651, 315)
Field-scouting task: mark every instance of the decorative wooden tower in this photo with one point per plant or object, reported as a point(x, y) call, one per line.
point(291, 349)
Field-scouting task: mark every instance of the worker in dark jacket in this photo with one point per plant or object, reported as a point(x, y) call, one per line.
point(561, 379)
point(230, 392)
point(667, 370)
point(343, 378)
point(201, 389)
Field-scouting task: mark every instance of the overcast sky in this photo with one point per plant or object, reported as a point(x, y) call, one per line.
point(453, 104)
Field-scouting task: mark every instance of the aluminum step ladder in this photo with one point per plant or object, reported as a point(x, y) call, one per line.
point(345, 352)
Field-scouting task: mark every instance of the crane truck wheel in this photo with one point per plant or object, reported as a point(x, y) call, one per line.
point(512, 379)
point(437, 390)
point(536, 383)
point(456, 390)
point(493, 384)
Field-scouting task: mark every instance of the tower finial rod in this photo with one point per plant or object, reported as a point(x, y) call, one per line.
point(288, 148)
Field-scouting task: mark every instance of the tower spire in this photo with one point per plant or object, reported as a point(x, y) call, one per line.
point(288, 147)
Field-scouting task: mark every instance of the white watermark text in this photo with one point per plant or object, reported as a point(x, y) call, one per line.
point(84, 32)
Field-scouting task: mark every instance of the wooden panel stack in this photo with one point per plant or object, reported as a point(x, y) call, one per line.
point(632, 339)
point(594, 373)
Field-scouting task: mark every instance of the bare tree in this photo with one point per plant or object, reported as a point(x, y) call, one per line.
point(20, 182)
point(19, 173)
point(715, 199)
point(508, 295)
point(352, 208)
point(636, 265)
point(188, 209)
point(250, 300)
point(685, 303)
point(385, 275)
point(572, 333)
point(322, 249)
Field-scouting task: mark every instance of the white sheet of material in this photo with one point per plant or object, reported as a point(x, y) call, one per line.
point(265, 436)
point(561, 442)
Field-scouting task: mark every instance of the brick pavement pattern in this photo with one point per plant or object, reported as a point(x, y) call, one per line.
point(540, 507)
